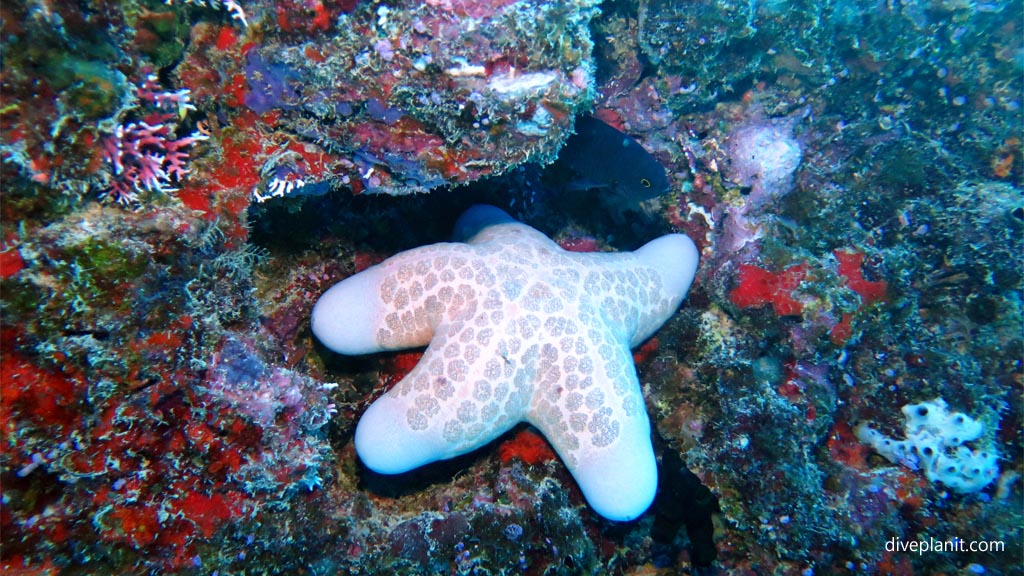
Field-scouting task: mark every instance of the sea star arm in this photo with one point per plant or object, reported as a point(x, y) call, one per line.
point(454, 401)
point(396, 304)
point(597, 423)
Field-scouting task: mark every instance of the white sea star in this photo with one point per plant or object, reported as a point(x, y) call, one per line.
point(516, 329)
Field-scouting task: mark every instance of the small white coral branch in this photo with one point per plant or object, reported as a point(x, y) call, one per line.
point(234, 8)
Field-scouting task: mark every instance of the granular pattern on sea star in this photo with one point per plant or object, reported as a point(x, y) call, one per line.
point(553, 310)
point(517, 330)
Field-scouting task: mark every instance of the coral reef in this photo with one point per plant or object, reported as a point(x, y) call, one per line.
point(851, 174)
point(462, 89)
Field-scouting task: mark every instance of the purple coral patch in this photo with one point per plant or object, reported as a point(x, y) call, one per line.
point(270, 85)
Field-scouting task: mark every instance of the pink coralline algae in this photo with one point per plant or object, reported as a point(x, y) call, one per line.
point(764, 157)
point(145, 155)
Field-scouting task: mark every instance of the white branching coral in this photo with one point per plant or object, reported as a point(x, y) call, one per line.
point(232, 7)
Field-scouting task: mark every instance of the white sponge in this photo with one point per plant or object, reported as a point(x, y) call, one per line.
point(934, 443)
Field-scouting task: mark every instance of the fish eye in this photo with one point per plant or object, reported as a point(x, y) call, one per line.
point(645, 182)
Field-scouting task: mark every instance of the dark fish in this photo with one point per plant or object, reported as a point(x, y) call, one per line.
point(599, 157)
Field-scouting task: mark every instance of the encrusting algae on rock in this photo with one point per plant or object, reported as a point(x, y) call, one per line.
point(851, 177)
